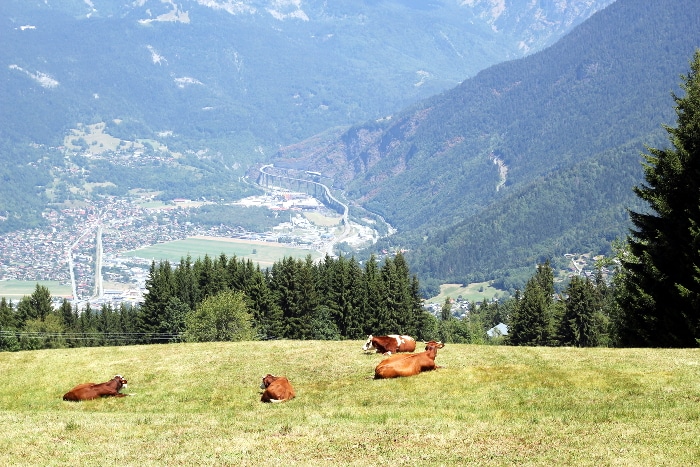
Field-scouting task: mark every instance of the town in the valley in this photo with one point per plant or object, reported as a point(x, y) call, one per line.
point(85, 249)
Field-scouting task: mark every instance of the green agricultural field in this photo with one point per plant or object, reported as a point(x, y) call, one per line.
point(266, 254)
point(15, 290)
point(198, 404)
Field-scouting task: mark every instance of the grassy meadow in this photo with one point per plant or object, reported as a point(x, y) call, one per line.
point(474, 292)
point(198, 404)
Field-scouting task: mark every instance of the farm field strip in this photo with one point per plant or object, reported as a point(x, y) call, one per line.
point(264, 253)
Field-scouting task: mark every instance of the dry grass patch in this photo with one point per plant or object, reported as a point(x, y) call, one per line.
point(323, 220)
point(474, 292)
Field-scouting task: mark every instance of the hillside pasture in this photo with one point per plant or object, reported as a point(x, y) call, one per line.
point(198, 404)
point(263, 253)
point(474, 292)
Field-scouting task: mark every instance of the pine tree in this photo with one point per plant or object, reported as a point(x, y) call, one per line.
point(173, 319)
point(88, 326)
point(283, 285)
point(40, 301)
point(578, 326)
point(186, 286)
point(161, 287)
point(660, 298)
point(405, 313)
point(529, 321)
point(206, 281)
point(128, 323)
point(545, 278)
point(446, 321)
point(376, 302)
point(67, 316)
point(267, 316)
point(357, 307)
point(387, 315)
point(334, 292)
point(106, 324)
point(221, 277)
point(8, 320)
point(532, 321)
point(307, 300)
point(446, 309)
point(417, 310)
point(237, 274)
point(294, 285)
point(24, 311)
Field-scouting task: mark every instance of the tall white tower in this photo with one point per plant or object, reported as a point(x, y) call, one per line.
point(99, 290)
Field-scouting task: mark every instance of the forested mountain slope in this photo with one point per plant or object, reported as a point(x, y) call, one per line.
point(232, 79)
point(528, 160)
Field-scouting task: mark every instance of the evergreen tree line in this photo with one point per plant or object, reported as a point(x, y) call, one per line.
point(234, 299)
point(293, 299)
point(34, 324)
point(582, 315)
point(224, 299)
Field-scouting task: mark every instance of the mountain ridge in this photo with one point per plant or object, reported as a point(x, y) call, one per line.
point(197, 78)
point(598, 94)
point(158, 42)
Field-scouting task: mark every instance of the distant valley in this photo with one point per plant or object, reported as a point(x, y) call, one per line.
point(491, 135)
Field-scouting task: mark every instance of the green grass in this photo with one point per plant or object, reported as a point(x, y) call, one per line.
point(198, 404)
point(14, 289)
point(265, 254)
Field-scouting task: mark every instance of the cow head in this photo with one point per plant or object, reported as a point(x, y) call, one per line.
point(267, 380)
point(368, 345)
point(434, 344)
point(121, 382)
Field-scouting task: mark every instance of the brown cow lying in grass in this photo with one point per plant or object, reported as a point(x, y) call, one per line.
point(89, 391)
point(409, 365)
point(276, 389)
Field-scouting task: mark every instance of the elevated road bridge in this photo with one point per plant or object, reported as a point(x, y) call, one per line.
point(271, 177)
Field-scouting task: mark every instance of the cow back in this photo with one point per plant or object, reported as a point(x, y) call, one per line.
point(277, 389)
point(397, 365)
point(407, 365)
point(408, 344)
